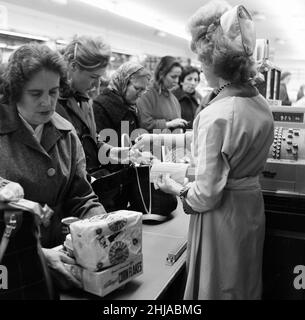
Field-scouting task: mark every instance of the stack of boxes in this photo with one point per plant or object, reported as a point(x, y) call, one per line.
point(107, 249)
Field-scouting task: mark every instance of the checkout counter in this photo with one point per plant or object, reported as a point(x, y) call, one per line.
point(283, 184)
point(160, 279)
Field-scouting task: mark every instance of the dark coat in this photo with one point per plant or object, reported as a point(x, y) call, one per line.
point(110, 110)
point(189, 105)
point(52, 172)
point(77, 109)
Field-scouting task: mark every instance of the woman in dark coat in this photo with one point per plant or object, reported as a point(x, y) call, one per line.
point(116, 115)
point(115, 108)
point(186, 94)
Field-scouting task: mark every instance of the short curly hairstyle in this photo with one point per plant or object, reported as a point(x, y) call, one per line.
point(23, 64)
point(186, 71)
point(214, 48)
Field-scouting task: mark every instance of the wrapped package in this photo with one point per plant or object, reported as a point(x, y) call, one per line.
point(107, 239)
point(10, 191)
point(103, 282)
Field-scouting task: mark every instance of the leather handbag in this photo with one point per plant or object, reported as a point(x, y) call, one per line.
point(156, 204)
point(111, 187)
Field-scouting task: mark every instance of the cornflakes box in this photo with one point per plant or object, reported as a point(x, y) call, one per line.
point(106, 240)
point(103, 282)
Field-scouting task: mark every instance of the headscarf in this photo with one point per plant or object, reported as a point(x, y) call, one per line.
point(120, 78)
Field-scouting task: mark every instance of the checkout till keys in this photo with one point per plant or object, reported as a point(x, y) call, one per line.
point(280, 140)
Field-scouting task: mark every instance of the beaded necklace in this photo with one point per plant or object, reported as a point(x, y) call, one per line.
point(222, 87)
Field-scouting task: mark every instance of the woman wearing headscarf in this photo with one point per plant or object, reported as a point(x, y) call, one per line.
point(116, 116)
point(115, 108)
point(231, 141)
point(158, 107)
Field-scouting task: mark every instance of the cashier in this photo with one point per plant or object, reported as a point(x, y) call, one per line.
point(39, 149)
point(231, 140)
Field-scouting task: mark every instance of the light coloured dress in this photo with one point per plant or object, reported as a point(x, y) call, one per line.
point(231, 140)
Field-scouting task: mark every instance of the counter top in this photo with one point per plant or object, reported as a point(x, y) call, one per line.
point(158, 241)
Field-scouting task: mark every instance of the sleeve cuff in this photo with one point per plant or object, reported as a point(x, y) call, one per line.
point(187, 209)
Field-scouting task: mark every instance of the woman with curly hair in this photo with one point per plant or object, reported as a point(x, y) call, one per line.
point(41, 151)
point(231, 141)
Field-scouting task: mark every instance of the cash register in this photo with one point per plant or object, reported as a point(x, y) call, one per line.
point(283, 185)
point(284, 171)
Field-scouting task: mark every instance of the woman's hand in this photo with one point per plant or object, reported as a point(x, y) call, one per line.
point(139, 157)
point(165, 183)
point(120, 154)
point(176, 123)
point(146, 141)
point(128, 155)
point(56, 260)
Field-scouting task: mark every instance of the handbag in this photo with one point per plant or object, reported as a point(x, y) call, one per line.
point(111, 187)
point(21, 254)
point(130, 188)
point(156, 205)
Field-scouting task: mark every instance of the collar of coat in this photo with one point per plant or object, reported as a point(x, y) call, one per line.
point(67, 92)
point(180, 94)
point(10, 121)
point(246, 90)
point(53, 130)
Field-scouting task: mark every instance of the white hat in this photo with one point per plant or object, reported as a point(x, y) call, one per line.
point(238, 26)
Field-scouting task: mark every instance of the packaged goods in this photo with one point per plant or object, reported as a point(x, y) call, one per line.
point(103, 282)
point(106, 240)
point(10, 191)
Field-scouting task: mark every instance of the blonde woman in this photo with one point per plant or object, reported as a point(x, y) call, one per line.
point(231, 140)
point(87, 59)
